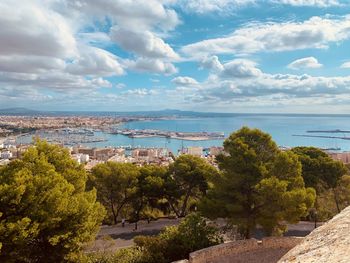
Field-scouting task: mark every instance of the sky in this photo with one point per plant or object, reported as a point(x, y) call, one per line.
point(251, 56)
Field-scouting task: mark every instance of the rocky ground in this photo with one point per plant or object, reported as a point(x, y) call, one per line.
point(328, 243)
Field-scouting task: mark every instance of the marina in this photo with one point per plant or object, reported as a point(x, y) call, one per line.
point(287, 131)
point(65, 136)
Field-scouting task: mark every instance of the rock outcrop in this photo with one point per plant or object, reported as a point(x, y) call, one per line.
point(329, 243)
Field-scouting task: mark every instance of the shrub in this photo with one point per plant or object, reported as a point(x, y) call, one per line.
point(176, 242)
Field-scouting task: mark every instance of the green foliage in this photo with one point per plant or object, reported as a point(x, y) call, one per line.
point(259, 184)
point(319, 169)
point(326, 207)
point(126, 255)
point(149, 192)
point(46, 214)
point(116, 184)
point(187, 182)
point(176, 242)
point(321, 172)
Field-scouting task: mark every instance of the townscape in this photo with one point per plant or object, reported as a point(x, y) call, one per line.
point(174, 131)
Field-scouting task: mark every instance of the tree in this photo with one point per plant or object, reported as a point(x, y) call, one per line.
point(187, 181)
point(176, 242)
point(258, 185)
point(116, 185)
point(149, 191)
point(46, 214)
point(326, 207)
point(320, 171)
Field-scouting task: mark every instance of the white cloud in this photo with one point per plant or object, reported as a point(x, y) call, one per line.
point(120, 86)
point(263, 89)
point(317, 3)
point(128, 14)
point(304, 63)
point(345, 65)
point(211, 63)
point(140, 92)
point(51, 81)
point(276, 86)
point(184, 81)
point(206, 6)
point(30, 64)
point(31, 29)
point(240, 68)
point(316, 32)
point(156, 66)
point(143, 43)
point(95, 62)
point(237, 68)
point(45, 49)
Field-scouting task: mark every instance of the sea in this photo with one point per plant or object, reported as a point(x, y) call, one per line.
point(282, 128)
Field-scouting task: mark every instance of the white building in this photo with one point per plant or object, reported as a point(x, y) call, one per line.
point(9, 144)
point(194, 150)
point(81, 158)
point(6, 155)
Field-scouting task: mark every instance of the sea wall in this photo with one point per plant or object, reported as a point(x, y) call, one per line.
point(231, 250)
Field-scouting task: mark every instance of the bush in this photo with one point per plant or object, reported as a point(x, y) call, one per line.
point(176, 242)
point(126, 255)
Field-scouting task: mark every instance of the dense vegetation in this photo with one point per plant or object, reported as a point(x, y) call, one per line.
point(173, 243)
point(50, 207)
point(132, 192)
point(259, 185)
point(46, 214)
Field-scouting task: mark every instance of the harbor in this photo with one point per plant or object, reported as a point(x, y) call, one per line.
point(187, 136)
point(64, 136)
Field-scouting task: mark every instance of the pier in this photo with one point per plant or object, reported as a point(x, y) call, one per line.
point(322, 136)
point(190, 136)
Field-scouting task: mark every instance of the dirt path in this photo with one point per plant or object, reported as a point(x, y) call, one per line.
point(116, 237)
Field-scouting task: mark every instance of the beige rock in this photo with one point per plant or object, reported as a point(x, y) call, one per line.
point(328, 243)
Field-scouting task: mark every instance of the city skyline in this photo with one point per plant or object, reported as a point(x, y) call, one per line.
point(209, 56)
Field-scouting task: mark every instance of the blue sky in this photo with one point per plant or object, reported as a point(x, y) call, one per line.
point(203, 55)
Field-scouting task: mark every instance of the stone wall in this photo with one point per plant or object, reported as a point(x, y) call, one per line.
point(233, 249)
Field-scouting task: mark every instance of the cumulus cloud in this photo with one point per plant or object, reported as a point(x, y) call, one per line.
point(61, 81)
point(304, 63)
point(156, 66)
point(285, 85)
point(30, 29)
point(206, 6)
point(45, 48)
point(240, 68)
point(140, 92)
point(317, 3)
point(184, 81)
point(143, 43)
point(316, 32)
point(345, 65)
point(251, 86)
point(30, 64)
point(95, 62)
point(211, 63)
point(134, 15)
point(237, 68)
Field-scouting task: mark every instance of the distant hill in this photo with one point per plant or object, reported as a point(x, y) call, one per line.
point(158, 113)
point(18, 111)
